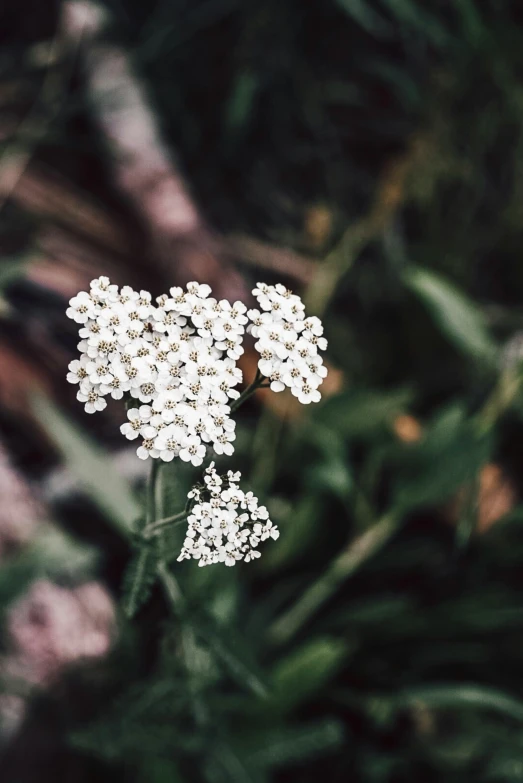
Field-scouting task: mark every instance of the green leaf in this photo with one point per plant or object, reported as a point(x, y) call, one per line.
point(227, 766)
point(471, 20)
point(363, 413)
point(305, 671)
point(457, 316)
point(241, 102)
point(173, 482)
point(460, 696)
point(415, 15)
point(232, 650)
point(331, 471)
point(160, 770)
point(362, 13)
point(283, 745)
point(450, 455)
point(58, 554)
point(12, 269)
point(299, 527)
point(94, 471)
point(139, 580)
point(52, 554)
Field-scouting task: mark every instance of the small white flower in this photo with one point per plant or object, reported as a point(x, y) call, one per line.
point(81, 308)
point(192, 450)
point(147, 449)
point(222, 444)
point(169, 442)
point(306, 393)
point(201, 290)
point(138, 419)
point(102, 289)
point(93, 401)
point(78, 370)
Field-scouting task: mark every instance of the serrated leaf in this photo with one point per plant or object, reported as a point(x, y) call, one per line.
point(94, 471)
point(457, 316)
point(139, 580)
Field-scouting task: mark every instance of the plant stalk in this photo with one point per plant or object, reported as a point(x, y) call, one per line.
point(343, 566)
point(249, 391)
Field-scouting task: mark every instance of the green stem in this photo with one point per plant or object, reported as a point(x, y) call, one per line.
point(156, 527)
point(171, 588)
point(189, 647)
point(503, 395)
point(343, 566)
point(150, 507)
point(249, 391)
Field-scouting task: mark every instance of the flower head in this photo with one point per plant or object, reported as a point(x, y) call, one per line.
point(288, 343)
point(225, 525)
point(177, 358)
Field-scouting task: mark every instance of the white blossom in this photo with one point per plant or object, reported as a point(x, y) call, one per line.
point(288, 343)
point(218, 528)
point(178, 359)
point(81, 308)
point(93, 401)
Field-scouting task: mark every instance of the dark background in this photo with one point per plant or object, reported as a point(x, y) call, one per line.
point(369, 154)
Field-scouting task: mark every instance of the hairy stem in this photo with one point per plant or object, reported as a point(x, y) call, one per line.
point(156, 527)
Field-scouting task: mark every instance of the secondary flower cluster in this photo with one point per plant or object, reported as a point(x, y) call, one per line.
point(225, 524)
point(177, 358)
point(288, 343)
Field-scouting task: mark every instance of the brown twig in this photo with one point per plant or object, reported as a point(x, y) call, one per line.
point(392, 192)
point(143, 167)
point(283, 261)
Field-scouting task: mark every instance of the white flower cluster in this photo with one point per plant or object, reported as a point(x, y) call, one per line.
point(225, 524)
point(176, 357)
point(288, 343)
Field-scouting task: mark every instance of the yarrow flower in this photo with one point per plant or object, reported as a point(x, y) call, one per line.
point(225, 525)
point(288, 343)
point(178, 359)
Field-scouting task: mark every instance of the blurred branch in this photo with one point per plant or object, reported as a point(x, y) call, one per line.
point(282, 261)
point(143, 167)
point(391, 194)
point(34, 126)
point(342, 567)
point(48, 195)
